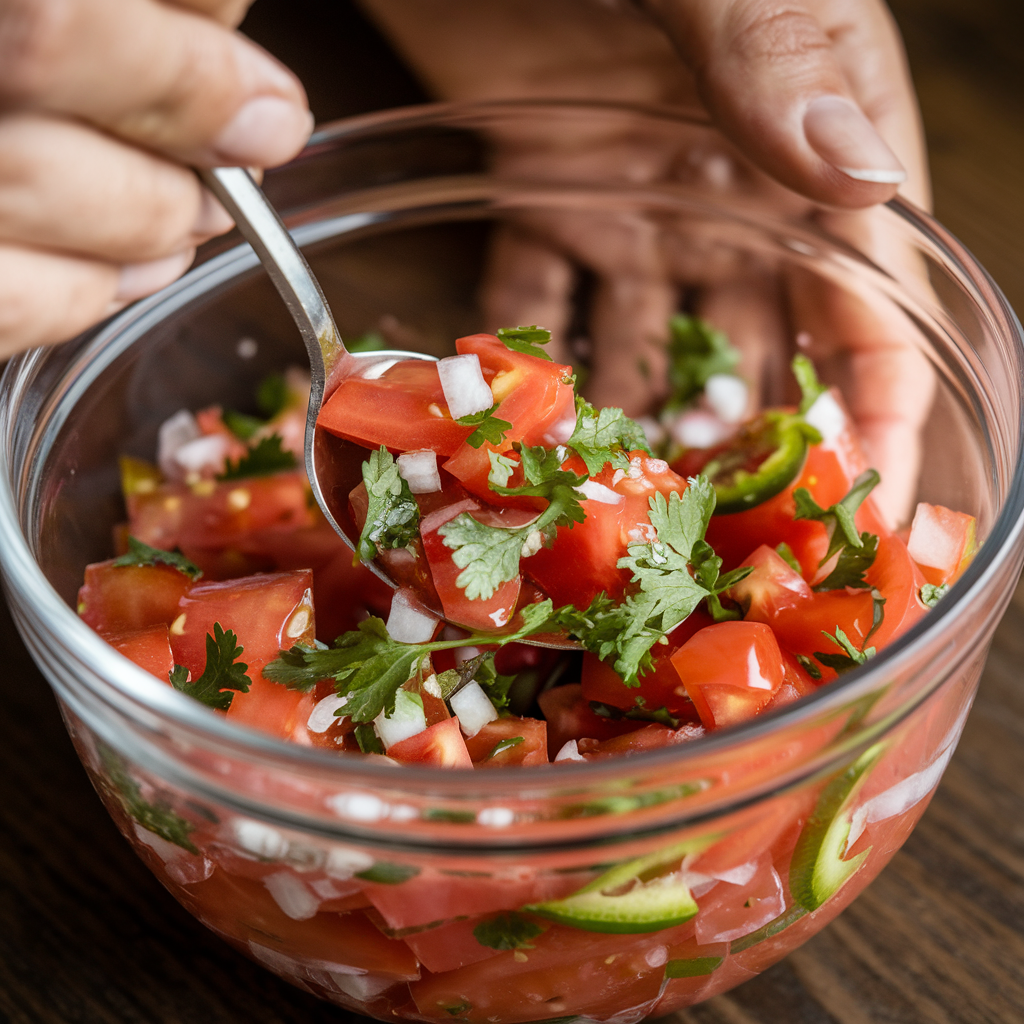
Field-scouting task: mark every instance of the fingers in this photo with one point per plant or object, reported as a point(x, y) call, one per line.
point(172, 80)
point(771, 77)
point(227, 12)
point(121, 204)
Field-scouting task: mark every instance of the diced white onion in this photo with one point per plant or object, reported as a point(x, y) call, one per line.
point(258, 839)
point(593, 491)
point(408, 621)
point(204, 453)
point(698, 429)
point(358, 806)
point(361, 987)
point(472, 708)
point(656, 956)
point(343, 862)
point(463, 384)
point(323, 716)
point(827, 417)
point(291, 895)
point(431, 686)
point(496, 817)
point(735, 876)
point(727, 396)
point(408, 720)
point(183, 867)
point(570, 752)
point(419, 470)
point(174, 433)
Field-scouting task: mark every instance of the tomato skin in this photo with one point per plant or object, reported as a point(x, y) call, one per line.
point(404, 409)
point(533, 749)
point(472, 466)
point(121, 598)
point(569, 717)
point(449, 946)
point(149, 648)
point(582, 562)
point(899, 579)
point(648, 737)
point(440, 745)
point(731, 671)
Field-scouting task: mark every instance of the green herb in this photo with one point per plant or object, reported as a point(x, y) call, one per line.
point(931, 595)
point(482, 671)
point(386, 873)
point(604, 436)
point(223, 672)
point(808, 666)
point(706, 568)
point(371, 341)
point(367, 738)
point(392, 515)
point(877, 613)
point(506, 744)
point(502, 468)
point(638, 713)
point(444, 814)
point(811, 389)
point(858, 550)
point(242, 425)
point(526, 340)
point(507, 931)
point(696, 967)
point(455, 1011)
point(771, 929)
point(785, 552)
point(158, 817)
point(263, 459)
point(696, 351)
point(489, 555)
point(849, 659)
point(142, 554)
point(272, 395)
point(488, 427)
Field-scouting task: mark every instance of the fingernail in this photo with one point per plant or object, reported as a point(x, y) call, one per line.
point(266, 132)
point(840, 133)
point(212, 219)
point(140, 279)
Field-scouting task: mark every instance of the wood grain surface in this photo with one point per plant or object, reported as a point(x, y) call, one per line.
point(87, 935)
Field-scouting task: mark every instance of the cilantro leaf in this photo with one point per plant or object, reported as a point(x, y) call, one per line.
point(482, 671)
point(931, 595)
point(785, 552)
point(488, 427)
point(877, 613)
point(507, 931)
point(807, 664)
point(526, 340)
point(696, 351)
point(849, 659)
point(706, 571)
point(243, 426)
point(811, 389)
point(637, 713)
point(371, 341)
point(142, 554)
point(223, 672)
point(263, 459)
point(367, 738)
point(272, 395)
point(392, 515)
point(851, 565)
point(603, 436)
point(506, 744)
point(502, 468)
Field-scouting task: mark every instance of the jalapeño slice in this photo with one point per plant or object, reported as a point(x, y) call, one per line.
point(764, 458)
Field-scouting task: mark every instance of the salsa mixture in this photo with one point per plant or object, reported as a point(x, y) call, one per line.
point(692, 571)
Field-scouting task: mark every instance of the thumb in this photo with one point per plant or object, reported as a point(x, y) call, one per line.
point(769, 76)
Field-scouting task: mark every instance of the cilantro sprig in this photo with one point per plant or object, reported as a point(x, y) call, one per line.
point(506, 744)
point(488, 427)
point(139, 553)
point(811, 389)
point(696, 351)
point(603, 436)
point(223, 674)
point(264, 458)
point(508, 931)
point(931, 595)
point(527, 340)
point(848, 658)
point(392, 515)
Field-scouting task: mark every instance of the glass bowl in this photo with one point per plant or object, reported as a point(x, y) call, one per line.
point(394, 892)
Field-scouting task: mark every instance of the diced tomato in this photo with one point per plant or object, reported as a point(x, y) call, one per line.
point(216, 515)
point(796, 683)
point(731, 671)
point(733, 909)
point(532, 750)
point(583, 561)
point(119, 598)
point(440, 745)
point(899, 580)
point(449, 946)
point(647, 737)
point(480, 613)
point(942, 542)
point(211, 422)
point(267, 613)
point(404, 409)
point(569, 717)
point(472, 466)
point(149, 648)
point(535, 395)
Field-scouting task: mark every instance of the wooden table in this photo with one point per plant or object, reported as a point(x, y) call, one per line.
point(88, 936)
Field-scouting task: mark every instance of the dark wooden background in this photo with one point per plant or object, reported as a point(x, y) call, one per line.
point(87, 935)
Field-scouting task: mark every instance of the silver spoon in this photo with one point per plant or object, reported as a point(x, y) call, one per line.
point(328, 469)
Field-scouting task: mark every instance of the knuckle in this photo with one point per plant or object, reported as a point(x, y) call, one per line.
point(33, 34)
point(777, 33)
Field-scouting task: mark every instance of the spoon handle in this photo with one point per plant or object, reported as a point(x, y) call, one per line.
point(264, 230)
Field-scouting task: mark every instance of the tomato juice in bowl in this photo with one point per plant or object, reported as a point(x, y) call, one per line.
point(615, 889)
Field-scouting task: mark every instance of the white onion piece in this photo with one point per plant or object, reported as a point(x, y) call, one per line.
point(826, 415)
point(570, 752)
point(472, 708)
point(343, 862)
point(323, 715)
point(419, 470)
point(697, 429)
point(204, 453)
point(463, 384)
point(258, 839)
point(593, 491)
point(175, 432)
point(727, 396)
point(291, 895)
point(408, 621)
point(183, 867)
point(408, 720)
point(361, 987)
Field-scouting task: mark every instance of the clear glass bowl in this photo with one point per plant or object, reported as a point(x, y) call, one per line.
point(366, 884)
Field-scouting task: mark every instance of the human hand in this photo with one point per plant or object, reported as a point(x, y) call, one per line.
point(814, 95)
point(105, 105)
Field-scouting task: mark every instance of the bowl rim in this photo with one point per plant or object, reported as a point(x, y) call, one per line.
point(23, 576)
